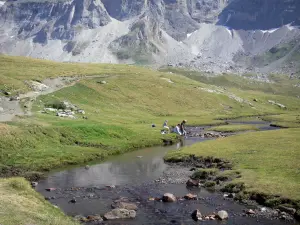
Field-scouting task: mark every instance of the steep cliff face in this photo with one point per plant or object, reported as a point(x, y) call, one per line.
point(46, 20)
point(211, 35)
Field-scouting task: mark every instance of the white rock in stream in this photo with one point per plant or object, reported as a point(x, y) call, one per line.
point(222, 215)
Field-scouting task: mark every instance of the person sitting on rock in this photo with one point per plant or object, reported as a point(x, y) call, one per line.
point(182, 127)
point(166, 127)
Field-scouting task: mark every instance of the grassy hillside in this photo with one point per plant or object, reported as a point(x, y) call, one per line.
point(120, 112)
point(119, 117)
point(15, 70)
point(279, 85)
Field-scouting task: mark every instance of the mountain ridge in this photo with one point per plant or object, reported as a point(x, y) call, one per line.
point(212, 36)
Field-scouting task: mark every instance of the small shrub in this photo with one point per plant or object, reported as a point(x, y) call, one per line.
point(56, 105)
point(234, 187)
point(209, 184)
point(241, 196)
point(272, 202)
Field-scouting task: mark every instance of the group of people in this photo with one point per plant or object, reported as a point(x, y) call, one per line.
point(178, 129)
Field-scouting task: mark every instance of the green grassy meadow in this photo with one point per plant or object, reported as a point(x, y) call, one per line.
point(268, 160)
point(119, 118)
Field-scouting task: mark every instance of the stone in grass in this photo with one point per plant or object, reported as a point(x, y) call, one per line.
point(222, 215)
point(196, 215)
point(120, 214)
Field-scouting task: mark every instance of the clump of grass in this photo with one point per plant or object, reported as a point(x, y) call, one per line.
point(227, 175)
point(209, 184)
point(56, 105)
point(234, 187)
point(233, 128)
point(204, 174)
point(272, 202)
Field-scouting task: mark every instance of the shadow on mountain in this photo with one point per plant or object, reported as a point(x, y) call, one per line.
point(260, 14)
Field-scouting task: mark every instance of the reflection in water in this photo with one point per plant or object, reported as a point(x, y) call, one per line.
point(131, 168)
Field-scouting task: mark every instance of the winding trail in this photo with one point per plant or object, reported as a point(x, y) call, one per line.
point(11, 108)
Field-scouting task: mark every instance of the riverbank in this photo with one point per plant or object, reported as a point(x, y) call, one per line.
point(263, 166)
point(20, 204)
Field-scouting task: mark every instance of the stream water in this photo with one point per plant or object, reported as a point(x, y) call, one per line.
point(134, 175)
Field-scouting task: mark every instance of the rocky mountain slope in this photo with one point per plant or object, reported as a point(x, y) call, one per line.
point(209, 35)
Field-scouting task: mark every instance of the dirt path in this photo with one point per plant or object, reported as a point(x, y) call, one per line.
point(9, 108)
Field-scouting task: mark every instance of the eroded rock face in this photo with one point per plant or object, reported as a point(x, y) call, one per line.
point(46, 20)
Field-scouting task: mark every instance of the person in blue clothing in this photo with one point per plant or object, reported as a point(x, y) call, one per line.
point(177, 130)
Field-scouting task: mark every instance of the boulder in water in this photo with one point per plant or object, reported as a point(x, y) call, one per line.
point(190, 196)
point(192, 183)
point(196, 215)
point(168, 197)
point(120, 214)
point(222, 215)
point(94, 218)
point(124, 205)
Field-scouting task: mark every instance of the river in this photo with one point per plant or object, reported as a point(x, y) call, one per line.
point(134, 176)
